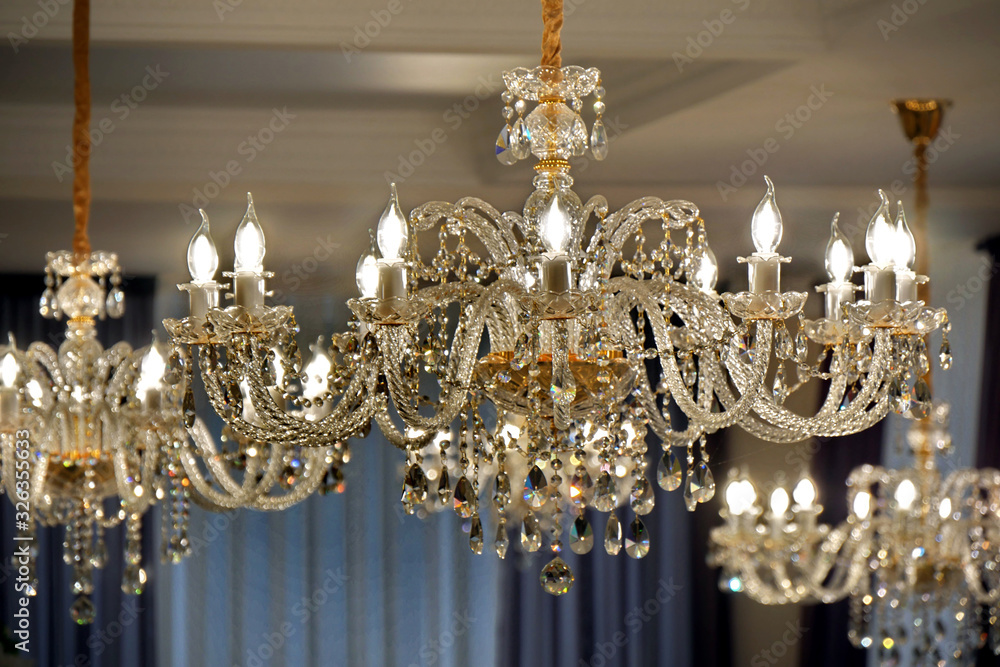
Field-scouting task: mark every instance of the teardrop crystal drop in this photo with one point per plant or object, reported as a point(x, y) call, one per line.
point(580, 486)
point(945, 355)
point(47, 304)
point(581, 536)
point(669, 473)
point(444, 487)
point(501, 542)
point(464, 498)
point(414, 487)
point(83, 612)
point(637, 541)
point(642, 498)
point(899, 396)
point(531, 533)
point(599, 141)
point(133, 579)
point(476, 535)
point(605, 498)
point(689, 501)
point(613, 535)
point(536, 488)
point(579, 136)
point(115, 303)
point(920, 406)
point(188, 407)
point(703, 483)
point(505, 151)
point(501, 490)
point(557, 577)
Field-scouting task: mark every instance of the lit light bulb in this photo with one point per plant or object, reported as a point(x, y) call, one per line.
point(315, 373)
point(734, 497)
point(151, 370)
point(366, 276)
point(8, 370)
point(249, 245)
point(804, 493)
point(740, 496)
point(202, 257)
point(904, 248)
point(765, 227)
point(945, 508)
point(707, 272)
point(839, 254)
point(554, 227)
point(779, 501)
point(862, 504)
point(906, 493)
point(881, 234)
point(393, 233)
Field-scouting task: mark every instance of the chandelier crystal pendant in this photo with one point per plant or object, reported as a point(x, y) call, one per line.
point(918, 555)
point(599, 327)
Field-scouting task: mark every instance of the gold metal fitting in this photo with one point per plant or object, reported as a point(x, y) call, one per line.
point(921, 118)
point(552, 166)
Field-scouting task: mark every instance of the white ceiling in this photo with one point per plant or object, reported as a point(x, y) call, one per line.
point(323, 176)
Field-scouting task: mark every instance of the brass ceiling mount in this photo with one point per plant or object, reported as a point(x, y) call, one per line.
point(921, 118)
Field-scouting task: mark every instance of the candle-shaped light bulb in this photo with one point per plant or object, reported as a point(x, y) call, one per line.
point(944, 509)
point(366, 275)
point(8, 370)
point(202, 257)
point(839, 254)
point(804, 493)
point(779, 501)
point(906, 494)
point(904, 248)
point(734, 497)
point(393, 233)
point(249, 245)
point(862, 505)
point(151, 370)
point(765, 227)
point(707, 271)
point(555, 227)
point(881, 234)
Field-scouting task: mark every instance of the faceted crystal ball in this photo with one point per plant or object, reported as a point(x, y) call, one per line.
point(80, 296)
point(551, 126)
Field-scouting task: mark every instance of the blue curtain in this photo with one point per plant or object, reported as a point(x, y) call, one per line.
point(123, 632)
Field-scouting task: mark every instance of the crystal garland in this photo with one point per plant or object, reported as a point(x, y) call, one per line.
point(594, 339)
point(918, 555)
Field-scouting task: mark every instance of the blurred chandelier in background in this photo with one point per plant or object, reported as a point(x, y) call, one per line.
point(918, 556)
point(593, 345)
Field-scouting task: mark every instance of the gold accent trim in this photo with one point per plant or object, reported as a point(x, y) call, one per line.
point(557, 165)
point(81, 320)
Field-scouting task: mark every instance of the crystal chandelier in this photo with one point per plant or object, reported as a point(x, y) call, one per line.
point(918, 555)
point(595, 340)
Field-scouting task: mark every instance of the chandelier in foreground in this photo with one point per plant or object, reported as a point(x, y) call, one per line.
point(560, 337)
point(918, 555)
